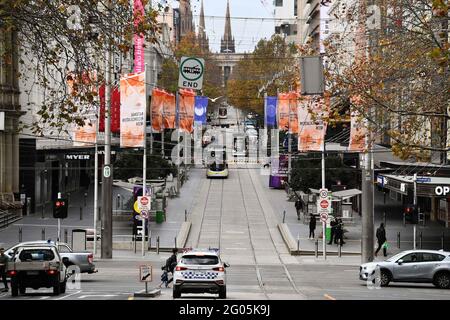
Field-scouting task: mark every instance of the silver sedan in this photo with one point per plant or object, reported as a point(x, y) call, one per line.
point(419, 266)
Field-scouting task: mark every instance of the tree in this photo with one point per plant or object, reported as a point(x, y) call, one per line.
point(61, 41)
point(189, 46)
point(271, 65)
point(398, 71)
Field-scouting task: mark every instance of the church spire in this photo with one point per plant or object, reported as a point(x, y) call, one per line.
point(227, 43)
point(202, 37)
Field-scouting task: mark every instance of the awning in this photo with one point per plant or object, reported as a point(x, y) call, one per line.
point(344, 194)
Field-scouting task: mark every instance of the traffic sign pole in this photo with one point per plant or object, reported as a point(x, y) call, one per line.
point(144, 167)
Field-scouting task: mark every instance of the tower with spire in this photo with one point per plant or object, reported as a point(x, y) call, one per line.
point(202, 37)
point(227, 42)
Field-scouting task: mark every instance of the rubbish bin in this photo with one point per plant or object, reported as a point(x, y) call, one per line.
point(159, 216)
point(328, 228)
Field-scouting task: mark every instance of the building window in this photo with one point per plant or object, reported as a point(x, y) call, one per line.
point(278, 3)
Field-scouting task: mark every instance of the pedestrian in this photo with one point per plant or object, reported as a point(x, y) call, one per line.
point(339, 236)
point(3, 264)
point(333, 224)
point(312, 226)
point(299, 207)
point(169, 266)
point(381, 239)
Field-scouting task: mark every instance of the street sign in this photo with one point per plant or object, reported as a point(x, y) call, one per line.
point(324, 217)
point(423, 179)
point(145, 273)
point(144, 214)
point(107, 171)
point(144, 203)
point(191, 73)
point(323, 193)
point(324, 206)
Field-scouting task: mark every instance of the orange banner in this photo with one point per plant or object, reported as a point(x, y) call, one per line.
point(293, 115)
point(283, 111)
point(156, 107)
point(358, 130)
point(186, 110)
point(169, 111)
point(132, 110)
point(312, 114)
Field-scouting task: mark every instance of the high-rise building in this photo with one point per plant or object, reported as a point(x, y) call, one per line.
point(286, 19)
point(313, 22)
point(227, 42)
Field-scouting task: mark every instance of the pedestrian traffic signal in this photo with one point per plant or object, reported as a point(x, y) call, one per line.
point(60, 208)
point(412, 213)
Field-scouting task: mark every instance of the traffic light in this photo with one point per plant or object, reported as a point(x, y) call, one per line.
point(412, 213)
point(60, 208)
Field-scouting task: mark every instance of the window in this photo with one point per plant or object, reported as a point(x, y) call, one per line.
point(36, 255)
point(412, 258)
point(429, 257)
point(200, 260)
point(278, 3)
point(63, 249)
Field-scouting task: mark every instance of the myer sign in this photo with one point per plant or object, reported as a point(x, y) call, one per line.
point(191, 73)
point(441, 191)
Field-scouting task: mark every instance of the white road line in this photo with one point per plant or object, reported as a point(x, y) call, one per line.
point(69, 295)
point(43, 298)
point(97, 296)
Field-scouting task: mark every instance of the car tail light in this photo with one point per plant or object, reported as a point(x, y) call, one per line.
point(180, 268)
point(220, 269)
point(12, 272)
point(51, 272)
point(219, 282)
point(90, 258)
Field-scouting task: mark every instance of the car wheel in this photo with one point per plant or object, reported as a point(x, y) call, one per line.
point(22, 289)
point(385, 278)
point(14, 288)
point(57, 288)
point(442, 280)
point(62, 288)
point(223, 293)
point(176, 292)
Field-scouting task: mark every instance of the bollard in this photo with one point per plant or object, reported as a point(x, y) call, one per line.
point(134, 238)
point(442, 241)
point(118, 201)
point(298, 245)
point(85, 199)
point(20, 234)
point(185, 215)
point(42, 211)
point(43, 234)
point(420, 240)
point(81, 213)
point(398, 239)
point(284, 215)
point(175, 243)
point(340, 248)
point(66, 236)
point(157, 244)
point(317, 248)
point(149, 243)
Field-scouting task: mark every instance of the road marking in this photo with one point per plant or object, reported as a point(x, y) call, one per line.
point(97, 296)
point(236, 248)
point(43, 298)
point(328, 297)
point(69, 295)
point(130, 298)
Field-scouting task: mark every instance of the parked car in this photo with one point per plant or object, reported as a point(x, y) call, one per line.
point(37, 266)
point(200, 271)
point(84, 260)
point(419, 266)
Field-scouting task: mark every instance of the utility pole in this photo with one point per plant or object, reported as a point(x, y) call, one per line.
point(415, 204)
point(289, 138)
point(106, 231)
point(144, 166)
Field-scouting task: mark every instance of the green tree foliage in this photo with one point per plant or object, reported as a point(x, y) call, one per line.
point(129, 165)
point(306, 173)
point(271, 65)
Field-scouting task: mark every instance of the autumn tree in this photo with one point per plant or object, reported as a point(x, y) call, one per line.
point(65, 41)
point(271, 66)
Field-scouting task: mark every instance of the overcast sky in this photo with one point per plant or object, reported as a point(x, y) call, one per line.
point(247, 23)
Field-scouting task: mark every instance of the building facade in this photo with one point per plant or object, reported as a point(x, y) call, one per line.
point(285, 14)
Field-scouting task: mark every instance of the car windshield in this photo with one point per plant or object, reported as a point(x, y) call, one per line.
point(36, 255)
point(200, 260)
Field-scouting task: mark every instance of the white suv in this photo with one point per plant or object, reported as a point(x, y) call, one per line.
point(200, 271)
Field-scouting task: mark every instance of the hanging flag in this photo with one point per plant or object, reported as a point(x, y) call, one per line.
point(157, 109)
point(132, 110)
point(283, 111)
point(201, 104)
point(169, 111)
point(358, 129)
point(186, 110)
point(312, 114)
point(115, 109)
point(293, 114)
point(271, 111)
point(138, 12)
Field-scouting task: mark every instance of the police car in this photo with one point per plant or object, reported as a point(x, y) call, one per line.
point(200, 271)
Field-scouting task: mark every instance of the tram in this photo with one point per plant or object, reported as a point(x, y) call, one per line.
point(217, 167)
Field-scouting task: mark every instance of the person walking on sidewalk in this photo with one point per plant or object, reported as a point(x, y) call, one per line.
point(333, 225)
point(299, 207)
point(3, 264)
point(381, 239)
point(339, 233)
point(312, 226)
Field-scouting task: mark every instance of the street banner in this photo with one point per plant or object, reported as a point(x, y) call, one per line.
point(132, 110)
point(271, 111)
point(138, 13)
point(157, 109)
point(312, 128)
point(283, 111)
point(201, 104)
point(115, 109)
point(169, 111)
point(293, 115)
point(186, 110)
point(85, 135)
point(358, 129)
